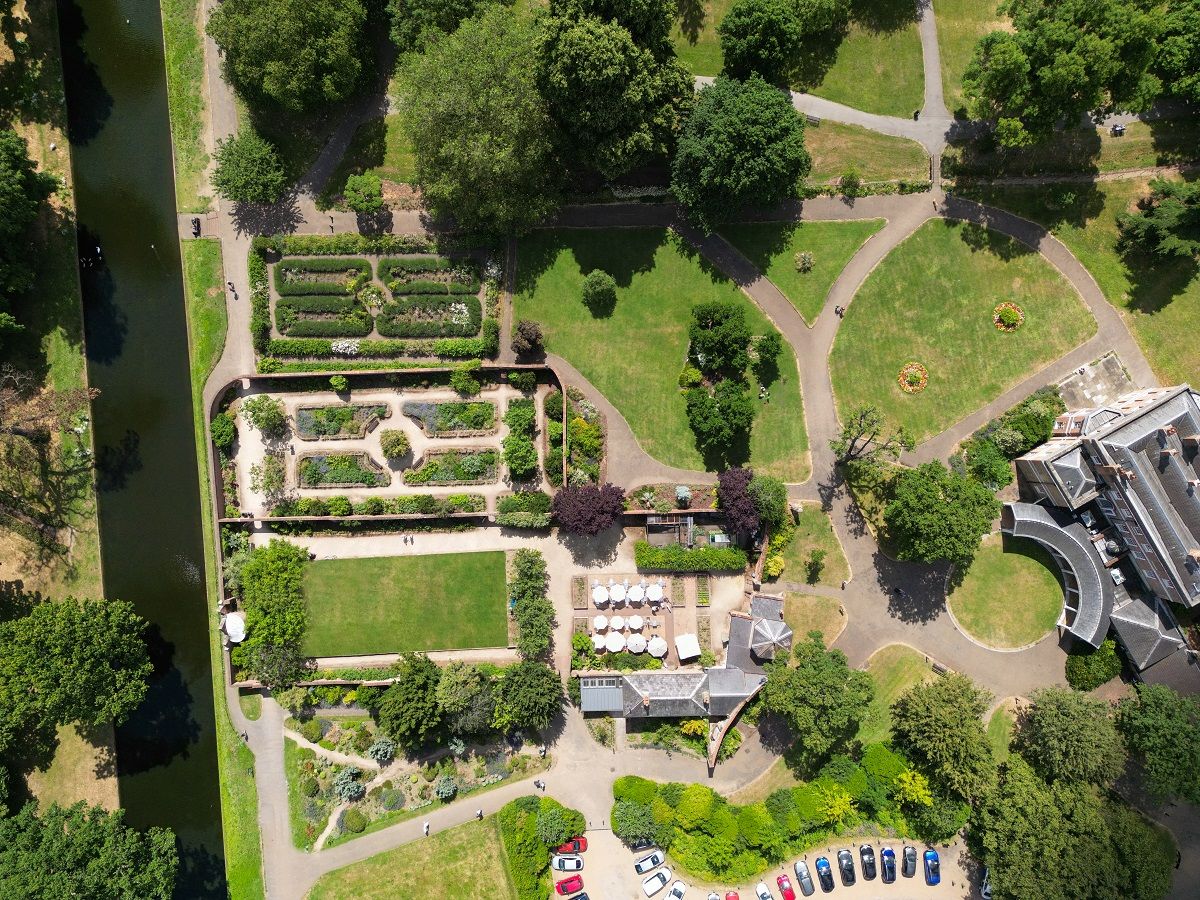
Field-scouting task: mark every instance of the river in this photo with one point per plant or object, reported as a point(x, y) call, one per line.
point(149, 498)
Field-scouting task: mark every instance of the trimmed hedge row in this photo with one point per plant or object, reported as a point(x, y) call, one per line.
point(260, 302)
point(524, 509)
point(320, 304)
point(399, 318)
point(680, 559)
point(422, 286)
point(340, 244)
point(347, 327)
point(484, 346)
point(419, 505)
point(413, 264)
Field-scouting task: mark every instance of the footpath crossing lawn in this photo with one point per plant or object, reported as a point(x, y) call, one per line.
point(772, 247)
point(894, 668)
point(931, 301)
point(390, 604)
point(634, 353)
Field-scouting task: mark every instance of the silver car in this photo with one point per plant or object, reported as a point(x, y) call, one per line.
point(566, 862)
point(652, 884)
point(652, 860)
point(804, 878)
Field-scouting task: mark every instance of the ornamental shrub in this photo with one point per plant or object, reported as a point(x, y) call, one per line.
point(339, 506)
point(346, 785)
point(1009, 317)
point(394, 443)
point(635, 789)
point(599, 293)
point(339, 383)
point(523, 381)
point(1088, 669)
point(527, 338)
point(310, 730)
point(309, 787)
point(463, 379)
point(804, 261)
point(353, 821)
point(446, 788)
point(224, 431)
point(520, 455)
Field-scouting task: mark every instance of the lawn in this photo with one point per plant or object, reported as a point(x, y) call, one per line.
point(779, 775)
point(1010, 596)
point(204, 283)
point(808, 612)
point(772, 247)
point(251, 706)
point(184, 47)
point(379, 146)
point(697, 43)
point(960, 25)
point(814, 531)
point(931, 301)
point(836, 149)
point(878, 70)
point(894, 668)
point(1000, 730)
point(634, 354)
point(1159, 301)
point(392, 603)
point(464, 862)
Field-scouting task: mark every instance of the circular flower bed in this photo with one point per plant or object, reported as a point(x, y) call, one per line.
point(912, 378)
point(1008, 316)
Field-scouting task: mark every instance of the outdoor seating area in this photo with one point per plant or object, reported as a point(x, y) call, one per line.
point(634, 616)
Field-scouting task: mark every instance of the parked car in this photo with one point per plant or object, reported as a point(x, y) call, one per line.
point(648, 862)
point(762, 892)
point(566, 862)
point(574, 845)
point(866, 855)
point(909, 868)
point(933, 868)
point(846, 867)
point(677, 891)
point(824, 874)
point(785, 888)
point(887, 862)
point(985, 889)
point(569, 885)
point(641, 844)
point(732, 895)
point(804, 878)
point(652, 884)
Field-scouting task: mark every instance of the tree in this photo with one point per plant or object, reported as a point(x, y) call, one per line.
point(394, 443)
point(527, 339)
point(23, 191)
point(614, 103)
point(817, 16)
point(479, 128)
point(822, 699)
point(770, 497)
point(521, 457)
point(269, 477)
point(418, 23)
point(940, 725)
point(248, 169)
point(647, 21)
point(760, 37)
point(364, 193)
point(296, 54)
point(1162, 731)
point(862, 438)
point(937, 515)
point(588, 509)
point(266, 414)
point(224, 431)
point(556, 824)
point(83, 851)
point(912, 789)
point(408, 711)
point(742, 147)
point(599, 292)
point(458, 683)
point(733, 494)
point(1087, 669)
point(719, 337)
point(1068, 736)
point(1063, 60)
point(767, 348)
point(632, 821)
point(533, 612)
point(1167, 223)
point(276, 614)
point(528, 695)
point(1177, 61)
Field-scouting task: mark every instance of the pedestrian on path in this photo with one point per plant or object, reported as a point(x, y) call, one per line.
point(479, 814)
point(427, 829)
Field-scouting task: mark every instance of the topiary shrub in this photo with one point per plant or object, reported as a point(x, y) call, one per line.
point(339, 383)
point(353, 821)
point(804, 261)
point(1089, 669)
point(599, 292)
point(394, 443)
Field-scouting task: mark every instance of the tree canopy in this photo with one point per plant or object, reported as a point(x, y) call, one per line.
point(1162, 730)
point(276, 613)
point(418, 23)
point(647, 21)
point(248, 169)
point(937, 515)
point(23, 190)
point(480, 131)
point(528, 694)
point(299, 55)
point(760, 37)
point(408, 710)
point(733, 493)
point(864, 438)
point(1069, 736)
point(742, 147)
point(588, 509)
point(771, 499)
point(1177, 60)
point(1167, 222)
point(719, 337)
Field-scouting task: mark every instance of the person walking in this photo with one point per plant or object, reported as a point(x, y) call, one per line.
point(427, 829)
point(479, 814)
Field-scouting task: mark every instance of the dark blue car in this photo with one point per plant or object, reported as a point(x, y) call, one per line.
point(887, 862)
point(933, 868)
point(824, 874)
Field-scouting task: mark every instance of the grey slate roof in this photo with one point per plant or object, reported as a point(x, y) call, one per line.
point(738, 654)
point(763, 606)
point(728, 687)
point(672, 694)
point(1179, 671)
point(1147, 631)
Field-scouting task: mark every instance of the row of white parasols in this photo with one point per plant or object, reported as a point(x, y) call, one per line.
point(615, 642)
point(618, 593)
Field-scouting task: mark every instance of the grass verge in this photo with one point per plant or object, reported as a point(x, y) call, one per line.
point(809, 612)
point(894, 669)
point(836, 149)
point(1010, 596)
point(960, 25)
point(1000, 730)
point(183, 41)
point(814, 531)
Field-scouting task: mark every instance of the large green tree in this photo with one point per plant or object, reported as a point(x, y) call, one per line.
point(1069, 736)
point(528, 694)
point(1162, 730)
point(84, 852)
point(299, 55)
point(1177, 60)
point(936, 515)
point(23, 190)
point(647, 21)
point(417, 23)
point(940, 725)
point(1062, 60)
point(743, 146)
point(408, 710)
point(760, 37)
point(480, 130)
point(276, 614)
point(1167, 222)
point(821, 698)
point(248, 169)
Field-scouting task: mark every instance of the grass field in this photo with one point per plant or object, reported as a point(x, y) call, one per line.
point(251, 706)
point(634, 355)
point(960, 25)
point(184, 46)
point(695, 35)
point(1010, 596)
point(931, 301)
point(836, 148)
point(392, 603)
point(1159, 301)
point(808, 612)
point(894, 668)
point(780, 775)
point(772, 247)
point(878, 70)
point(379, 146)
point(204, 282)
point(465, 862)
point(814, 531)
point(1000, 730)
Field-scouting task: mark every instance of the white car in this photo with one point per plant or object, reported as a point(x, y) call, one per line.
point(652, 884)
point(762, 891)
point(652, 860)
point(676, 892)
point(566, 862)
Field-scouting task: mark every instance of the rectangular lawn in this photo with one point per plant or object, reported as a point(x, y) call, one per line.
point(960, 25)
point(878, 70)
point(836, 148)
point(389, 604)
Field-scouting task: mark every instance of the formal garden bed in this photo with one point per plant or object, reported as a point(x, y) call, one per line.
point(340, 422)
point(413, 275)
point(524, 509)
point(455, 467)
point(458, 418)
point(411, 505)
point(582, 442)
point(688, 736)
point(322, 470)
point(320, 275)
point(430, 315)
point(664, 498)
point(323, 316)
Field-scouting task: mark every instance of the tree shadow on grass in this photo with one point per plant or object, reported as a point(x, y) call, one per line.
point(984, 240)
point(691, 16)
point(776, 238)
point(809, 67)
point(922, 594)
point(886, 15)
point(621, 252)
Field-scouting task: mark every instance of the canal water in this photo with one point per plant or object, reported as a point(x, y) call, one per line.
point(149, 498)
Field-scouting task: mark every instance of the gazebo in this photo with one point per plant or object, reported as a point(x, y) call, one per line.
point(769, 637)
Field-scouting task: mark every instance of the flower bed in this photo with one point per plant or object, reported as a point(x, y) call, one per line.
point(456, 418)
point(429, 275)
point(471, 466)
point(414, 505)
point(524, 509)
point(321, 276)
point(912, 378)
point(1008, 316)
point(431, 316)
point(584, 439)
point(341, 470)
point(484, 346)
point(316, 423)
point(663, 498)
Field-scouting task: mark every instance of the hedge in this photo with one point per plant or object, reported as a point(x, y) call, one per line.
point(338, 244)
point(260, 302)
point(486, 345)
point(413, 264)
point(524, 501)
point(483, 347)
point(399, 318)
point(422, 286)
point(523, 520)
point(349, 327)
point(679, 559)
point(321, 304)
point(1089, 669)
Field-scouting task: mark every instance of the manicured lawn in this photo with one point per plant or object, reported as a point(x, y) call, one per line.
point(772, 247)
point(1000, 730)
point(1160, 301)
point(1010, 596)
point(836, 148)
point(634, 355)
point(894, 668)
point(251, 705)
point(814, 531)
point(876, 70)
point(379, 146)
point(391, 603)
point(960, 25)
point(780, 775)
point(695, 35)
point(462, 862)
point(931, 301)
point(184, 47)
point(808, 612)
point(204, 283)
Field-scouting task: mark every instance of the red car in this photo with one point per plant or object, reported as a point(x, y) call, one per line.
point(785, 888)
point(569, 885)
point(574, 845)
point(732, 895)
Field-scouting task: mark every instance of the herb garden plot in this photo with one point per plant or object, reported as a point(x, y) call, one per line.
point(322, 316)
point(453, 419)
point(443, 467)
point(431, 315)
point(341, 470)
point(315, 423)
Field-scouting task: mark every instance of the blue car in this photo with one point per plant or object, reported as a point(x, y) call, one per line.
point(933, 868)
point(824, 874)
point(887, 862)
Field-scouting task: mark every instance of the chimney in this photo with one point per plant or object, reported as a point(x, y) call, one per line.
point(1193, 485)
point(1166, 431)
point(704, 698)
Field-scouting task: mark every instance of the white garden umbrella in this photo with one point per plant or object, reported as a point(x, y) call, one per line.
point(615, 642)
point(654, 593)
point(637, 643)
point(234, 626)
point(657, 647)
point(616, 623)
point(599, 623)
point(634, 623)
point(600, 595)
point(617, 592)
point(598, 641)
point(637, 594)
